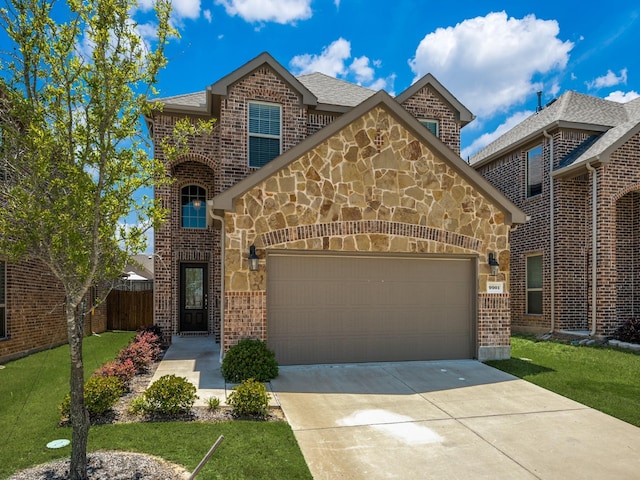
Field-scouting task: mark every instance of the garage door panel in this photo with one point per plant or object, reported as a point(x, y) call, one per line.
point(335, 309)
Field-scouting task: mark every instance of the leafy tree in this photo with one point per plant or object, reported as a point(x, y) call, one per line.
point(71, 97)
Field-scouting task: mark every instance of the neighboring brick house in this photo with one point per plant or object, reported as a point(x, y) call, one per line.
point(372, 236)
point(32, 316)
point(590, 196)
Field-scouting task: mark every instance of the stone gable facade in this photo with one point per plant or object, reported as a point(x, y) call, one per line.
point(373, 187)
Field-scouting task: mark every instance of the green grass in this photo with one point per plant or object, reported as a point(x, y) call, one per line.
point(31, 389)
point(603, 378)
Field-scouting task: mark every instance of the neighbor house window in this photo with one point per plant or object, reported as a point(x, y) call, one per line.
point(534, 171)
point(194, 209)
point(432, 125)
point(534, 285)
point(3, 299)
point(264, 133)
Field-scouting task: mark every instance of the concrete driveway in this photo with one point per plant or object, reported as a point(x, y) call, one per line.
point(447, 420)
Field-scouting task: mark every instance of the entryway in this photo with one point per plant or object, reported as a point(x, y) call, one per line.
point(194, 301)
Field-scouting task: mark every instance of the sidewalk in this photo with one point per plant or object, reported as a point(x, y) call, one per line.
point(198, 360)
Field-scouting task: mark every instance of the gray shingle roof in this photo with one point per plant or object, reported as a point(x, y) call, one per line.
point(329, 90)
point(334, 91)
point(570, 108)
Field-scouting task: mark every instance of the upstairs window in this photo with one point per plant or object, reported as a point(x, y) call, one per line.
point(264, 133)
point(3, 299)
point(432, 125)
point(534, 285)
point(534, 171)
point(194, 210)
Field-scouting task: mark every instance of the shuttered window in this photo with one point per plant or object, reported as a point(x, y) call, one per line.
point(264, 133)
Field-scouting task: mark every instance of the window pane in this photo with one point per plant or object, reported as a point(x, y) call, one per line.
point(194, 288)
point(431, 125)
point(534, 272)
point(534, 171)
point(534, 302)
point(194, 210)
point(2, 283)
point(264, 119)
point(262, 150)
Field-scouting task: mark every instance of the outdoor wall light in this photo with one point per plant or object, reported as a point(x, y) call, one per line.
point(253, 259)
point(493, 263)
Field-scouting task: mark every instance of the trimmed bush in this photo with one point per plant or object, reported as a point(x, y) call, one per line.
point(125, 371)
point(249, 398)
point(155, 329)
point(141, 354)
point(100, 395)
point(168, 395)
point(249, 359)
point(154, 341)
point(629, 331)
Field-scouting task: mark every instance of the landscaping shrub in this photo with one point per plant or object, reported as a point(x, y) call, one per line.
point(629, 331)
point(213, 403)
point(168, 395)
point(125, 371)
point(249, 359)
point(155, 329)
point(140, 352)
point(249, 398)
point(100, 395)
point(152, 339)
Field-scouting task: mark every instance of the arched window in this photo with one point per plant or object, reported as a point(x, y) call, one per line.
point(194, 209)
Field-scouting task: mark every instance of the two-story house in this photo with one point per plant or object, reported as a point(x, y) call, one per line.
point(336, 223)
point(574, 168)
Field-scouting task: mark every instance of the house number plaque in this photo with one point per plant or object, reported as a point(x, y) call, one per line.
point(495, 287)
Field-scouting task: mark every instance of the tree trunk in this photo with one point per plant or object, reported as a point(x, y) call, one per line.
point(79, 416)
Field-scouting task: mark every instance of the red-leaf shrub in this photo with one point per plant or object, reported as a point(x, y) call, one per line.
point(125, 370)
point(141, 354)
point(153, 340)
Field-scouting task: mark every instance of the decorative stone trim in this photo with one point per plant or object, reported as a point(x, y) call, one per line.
point(303, 232)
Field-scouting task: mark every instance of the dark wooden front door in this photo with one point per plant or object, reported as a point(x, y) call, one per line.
point(193, 297)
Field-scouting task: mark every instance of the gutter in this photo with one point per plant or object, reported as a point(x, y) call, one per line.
point(551, 234)
point(222, 275)
point(594, 255)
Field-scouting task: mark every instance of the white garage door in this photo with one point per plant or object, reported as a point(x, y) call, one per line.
point(342, 309)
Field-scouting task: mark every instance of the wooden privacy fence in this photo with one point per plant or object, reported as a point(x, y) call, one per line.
point(129, 310)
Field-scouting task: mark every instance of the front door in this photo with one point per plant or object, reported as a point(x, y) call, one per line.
point(193, 297)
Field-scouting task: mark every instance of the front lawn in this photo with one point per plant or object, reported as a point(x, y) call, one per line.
point(603, 378)
point(31, 389)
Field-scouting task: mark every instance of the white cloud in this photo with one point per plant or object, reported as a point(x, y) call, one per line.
point(489, 63)
point(207, 15)
point(622, 97)
point(485, 139)
point(330, 62)
point(333, 61)
point(186, 9)
point(278, 11)
point(609, 80)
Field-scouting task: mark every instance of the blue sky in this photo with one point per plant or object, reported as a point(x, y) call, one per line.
point(493, 56)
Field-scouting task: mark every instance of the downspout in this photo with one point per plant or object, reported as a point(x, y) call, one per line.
point(552, 259)
point(222, 274)
point(594, 253)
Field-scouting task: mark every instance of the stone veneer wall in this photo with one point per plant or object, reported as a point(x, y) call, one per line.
point(373, 187)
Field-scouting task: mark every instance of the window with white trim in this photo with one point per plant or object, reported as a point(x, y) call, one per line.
point(264, 133)
point(432, 125)
point(534, 171)
point(3, 299)
point(194, 209)
point(534, 285)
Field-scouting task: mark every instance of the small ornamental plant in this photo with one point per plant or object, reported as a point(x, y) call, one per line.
point(100, 395)
point(125, 370)
point(169, 395)
point(250, 398)
point(629, 331)
point(249, 358)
